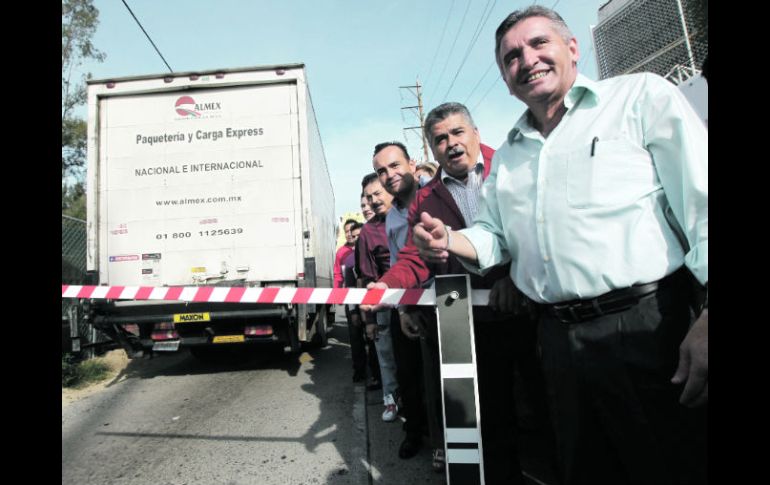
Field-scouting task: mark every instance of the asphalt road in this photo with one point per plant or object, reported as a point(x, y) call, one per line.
point(174, 420)
point(286, 420)
point(290, 420)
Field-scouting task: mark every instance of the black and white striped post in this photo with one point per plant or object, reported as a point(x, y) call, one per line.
point(459, 384)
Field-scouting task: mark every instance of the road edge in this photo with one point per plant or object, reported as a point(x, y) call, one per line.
point(360, 452)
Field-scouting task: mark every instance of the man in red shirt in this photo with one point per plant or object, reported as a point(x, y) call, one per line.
point(342, 252)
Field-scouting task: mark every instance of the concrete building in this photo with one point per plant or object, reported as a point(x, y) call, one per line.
point(667, 37)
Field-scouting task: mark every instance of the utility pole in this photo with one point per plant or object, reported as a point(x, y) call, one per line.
point(415, 90)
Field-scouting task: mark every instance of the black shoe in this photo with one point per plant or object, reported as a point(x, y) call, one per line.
point(410, 446)
point(359, 376)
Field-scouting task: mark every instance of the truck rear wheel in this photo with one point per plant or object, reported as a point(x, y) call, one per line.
point(295, 345)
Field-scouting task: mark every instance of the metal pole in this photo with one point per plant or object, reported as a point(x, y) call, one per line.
point(422, 123)
point(686, 35)
point(459, 381)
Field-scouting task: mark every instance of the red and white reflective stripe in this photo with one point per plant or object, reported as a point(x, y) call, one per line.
point(323, 296)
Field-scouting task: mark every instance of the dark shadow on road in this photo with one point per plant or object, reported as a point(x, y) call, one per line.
point(183, 363)
point(342, 419)
point(330, 375)
point(180, 436)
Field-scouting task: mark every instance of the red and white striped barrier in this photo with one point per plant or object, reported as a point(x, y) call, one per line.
point(323, 296)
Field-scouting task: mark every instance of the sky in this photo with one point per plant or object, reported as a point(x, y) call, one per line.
point(357, 54)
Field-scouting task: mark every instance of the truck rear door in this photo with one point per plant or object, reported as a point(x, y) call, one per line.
point(200, 185)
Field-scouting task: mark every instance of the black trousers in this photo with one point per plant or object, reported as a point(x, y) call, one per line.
point(409, 363)
point(616, 415)
point(426, 381)
point(360, 354)
point(503, 344)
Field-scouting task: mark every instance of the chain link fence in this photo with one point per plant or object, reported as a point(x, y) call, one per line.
point(73, 250)
point(73, 272)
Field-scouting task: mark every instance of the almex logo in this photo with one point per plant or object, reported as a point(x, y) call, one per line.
point(187, 107)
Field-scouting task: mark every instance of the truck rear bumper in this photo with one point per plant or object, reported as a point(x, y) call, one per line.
point(187, 342)
point(179, 325)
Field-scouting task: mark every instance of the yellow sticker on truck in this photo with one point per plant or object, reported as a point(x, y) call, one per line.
point(228, 339)
point(192, 317)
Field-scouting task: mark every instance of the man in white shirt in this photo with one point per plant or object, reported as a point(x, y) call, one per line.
point(599, 199)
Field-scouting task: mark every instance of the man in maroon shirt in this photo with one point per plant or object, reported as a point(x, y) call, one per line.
point(373, 261)
point(359, 338)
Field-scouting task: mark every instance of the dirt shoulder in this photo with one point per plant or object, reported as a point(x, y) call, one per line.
point(117, 360)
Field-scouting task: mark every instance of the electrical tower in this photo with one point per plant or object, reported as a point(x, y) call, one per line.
point(415, 90)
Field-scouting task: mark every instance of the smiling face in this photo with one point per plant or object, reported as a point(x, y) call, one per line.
point(354, 235)
point(366, 209)
point(537, 63)
point(395, 171)
point(455, 144)
point(379, 199)
point(349, 235)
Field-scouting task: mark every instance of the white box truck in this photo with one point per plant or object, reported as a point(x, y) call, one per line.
point(214, 178)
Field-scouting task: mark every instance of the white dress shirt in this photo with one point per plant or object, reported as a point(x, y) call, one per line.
point(581, 213)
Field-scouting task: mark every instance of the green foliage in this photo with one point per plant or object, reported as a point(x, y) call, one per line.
point(77, 374)
point(73, 147)
point(79, 21)
point(73, 201)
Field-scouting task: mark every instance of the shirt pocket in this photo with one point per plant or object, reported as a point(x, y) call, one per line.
point(618, 174)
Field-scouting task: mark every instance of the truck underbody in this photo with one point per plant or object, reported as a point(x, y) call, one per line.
point(147, 327)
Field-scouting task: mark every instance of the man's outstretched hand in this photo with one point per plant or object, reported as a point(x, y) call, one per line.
point(431, 238)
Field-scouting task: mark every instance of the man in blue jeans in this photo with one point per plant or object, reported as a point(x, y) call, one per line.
point(373, 262)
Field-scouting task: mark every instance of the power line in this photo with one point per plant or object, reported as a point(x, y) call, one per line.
point(421, 116)
point(476, 35)
point(479, 83)
point(438, 47)
point(148, 36)
point(451, 49)
point(485, 94)
point(500, 76)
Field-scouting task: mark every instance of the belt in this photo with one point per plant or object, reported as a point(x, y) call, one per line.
point(577, 311)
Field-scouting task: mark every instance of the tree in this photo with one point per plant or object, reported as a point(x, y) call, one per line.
point(79, 21)
point(73, 200)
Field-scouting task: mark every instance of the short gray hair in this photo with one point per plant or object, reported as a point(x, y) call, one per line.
point(531, 11)
point(442, 112)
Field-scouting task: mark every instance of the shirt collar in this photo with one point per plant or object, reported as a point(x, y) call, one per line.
point(478, 168)
point(581, 86)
